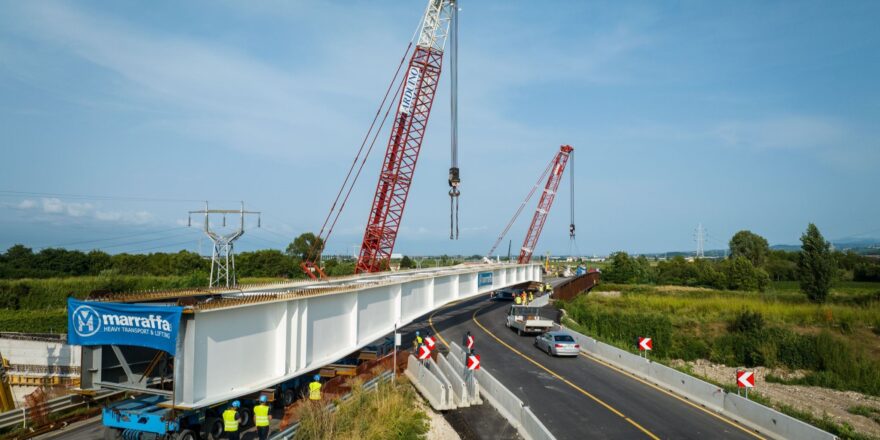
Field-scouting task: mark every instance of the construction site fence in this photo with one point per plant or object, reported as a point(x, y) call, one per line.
point(290, 432)
point(749, 413)
point(508, 405)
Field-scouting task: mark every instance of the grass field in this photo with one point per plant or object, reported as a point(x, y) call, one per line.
point(837, 342)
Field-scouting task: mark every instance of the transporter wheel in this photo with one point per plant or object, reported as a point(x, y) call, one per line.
point(112, 433)
point(288, 397)
point(187, 434)
point(213, 428)
point(246, 418)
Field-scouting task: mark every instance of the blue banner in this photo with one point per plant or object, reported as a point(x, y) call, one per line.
point(100, 323)
point(485, 279)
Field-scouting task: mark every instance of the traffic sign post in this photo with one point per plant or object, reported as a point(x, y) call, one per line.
point(745, 379)
point(473, 362)
point(424, 352)
point(645, 345)
point(396, 344)
point(469, 342)
point(429, 341)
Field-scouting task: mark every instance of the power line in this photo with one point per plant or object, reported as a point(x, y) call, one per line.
point(103, 197)
point(106, 239)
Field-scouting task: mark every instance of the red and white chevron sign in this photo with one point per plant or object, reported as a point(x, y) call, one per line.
point(424, 352)
point(745, 379)
point(645, 344)
point(470, 342)
point(429, 341)
point(473, 362)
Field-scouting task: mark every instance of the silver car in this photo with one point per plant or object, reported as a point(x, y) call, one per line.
point(557, 344)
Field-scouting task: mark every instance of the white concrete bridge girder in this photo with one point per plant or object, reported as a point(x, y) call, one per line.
point(225, 353)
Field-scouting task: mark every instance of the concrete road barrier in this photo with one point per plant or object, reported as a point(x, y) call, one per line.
point(459, 387)
point(427, 383)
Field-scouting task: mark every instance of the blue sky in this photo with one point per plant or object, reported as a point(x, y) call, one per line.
point(737, 115)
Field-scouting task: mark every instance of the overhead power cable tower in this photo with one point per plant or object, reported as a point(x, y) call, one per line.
point(223, 254)
point(700, 238)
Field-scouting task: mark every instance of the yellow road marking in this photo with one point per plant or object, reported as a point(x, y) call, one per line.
point(566, 381)
point(431, 323)
point(668, 393)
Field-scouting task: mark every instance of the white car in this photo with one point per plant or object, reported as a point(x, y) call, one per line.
point(557, 344)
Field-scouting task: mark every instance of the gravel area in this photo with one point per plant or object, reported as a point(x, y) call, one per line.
point(440, 428)
point(816, 400)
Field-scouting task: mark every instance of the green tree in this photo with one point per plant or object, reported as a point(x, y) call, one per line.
point(302, 246)
point(816, 265)
point(625, 269)
point(407, 263)
point(750, 245)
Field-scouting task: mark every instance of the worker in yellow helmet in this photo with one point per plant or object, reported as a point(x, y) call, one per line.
point(315, 388)
point(231, 419)
point(261, 418)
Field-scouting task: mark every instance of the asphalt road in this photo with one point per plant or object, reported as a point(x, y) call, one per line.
point(578, 397)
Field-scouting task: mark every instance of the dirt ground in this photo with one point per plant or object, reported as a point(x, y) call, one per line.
point(816, 400)
point(440, 428)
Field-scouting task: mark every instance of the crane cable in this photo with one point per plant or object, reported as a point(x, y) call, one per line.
point(454, 176)
point(521, 206)
point(319, 244)
point(572, 240)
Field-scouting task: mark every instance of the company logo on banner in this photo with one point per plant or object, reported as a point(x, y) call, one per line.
point(484, 279)
point(94, 323)
point(409, 92)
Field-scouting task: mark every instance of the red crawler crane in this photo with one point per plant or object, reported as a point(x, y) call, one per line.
point(555, 169)
point(407, 133)
point(544, 204)
point(416, 96)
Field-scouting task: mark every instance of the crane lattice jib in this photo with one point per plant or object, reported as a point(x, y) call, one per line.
point(544, 204)
point(405, 142)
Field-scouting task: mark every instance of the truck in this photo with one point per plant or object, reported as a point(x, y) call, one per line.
point(527, 319)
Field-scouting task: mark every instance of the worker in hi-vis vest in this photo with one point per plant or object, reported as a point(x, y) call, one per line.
point(531, 296)
point(261, 418)
point(416, 342)
point(315, 388)
point(517, 299)
point(231, 419)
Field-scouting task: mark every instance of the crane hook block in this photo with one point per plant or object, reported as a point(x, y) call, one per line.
point(454, 178)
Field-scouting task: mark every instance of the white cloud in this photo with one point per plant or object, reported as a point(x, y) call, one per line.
point(27, 204)
point(55, 207)
point(785, 132)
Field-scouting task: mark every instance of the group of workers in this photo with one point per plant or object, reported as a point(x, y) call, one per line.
point(527, 296)
point(232, 416)
point(232, 419)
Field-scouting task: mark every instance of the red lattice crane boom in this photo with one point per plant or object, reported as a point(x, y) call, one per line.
point(405, 142)
point(544, 204)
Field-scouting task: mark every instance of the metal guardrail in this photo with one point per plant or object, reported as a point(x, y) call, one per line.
point(20, 416)
point(370, 385)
